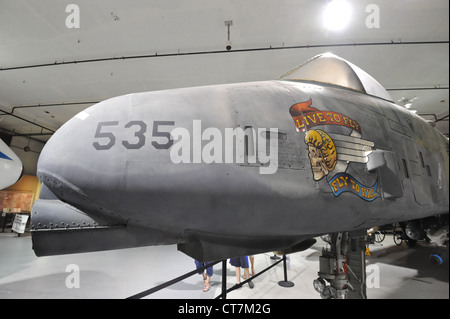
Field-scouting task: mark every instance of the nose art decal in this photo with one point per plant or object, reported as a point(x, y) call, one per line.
point(330, 154)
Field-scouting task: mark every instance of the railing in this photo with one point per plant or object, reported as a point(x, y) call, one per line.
point(223, 295)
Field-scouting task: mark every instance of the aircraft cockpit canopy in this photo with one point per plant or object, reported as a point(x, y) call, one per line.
point(331, 69)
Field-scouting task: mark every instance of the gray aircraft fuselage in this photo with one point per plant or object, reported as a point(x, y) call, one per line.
point(110, 180)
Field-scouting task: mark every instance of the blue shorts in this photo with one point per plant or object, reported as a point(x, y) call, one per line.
point(209, 270)
point(239, 262)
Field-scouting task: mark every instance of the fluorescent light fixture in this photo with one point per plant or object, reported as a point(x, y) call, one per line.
point(337, 15)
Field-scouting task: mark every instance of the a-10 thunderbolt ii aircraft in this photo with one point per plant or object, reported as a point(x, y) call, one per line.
point(11, 168)
point(240, 169)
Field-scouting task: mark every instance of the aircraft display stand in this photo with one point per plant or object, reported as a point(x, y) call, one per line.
point(285, 283)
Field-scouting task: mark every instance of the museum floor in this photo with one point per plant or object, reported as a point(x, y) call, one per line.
point(394, 272)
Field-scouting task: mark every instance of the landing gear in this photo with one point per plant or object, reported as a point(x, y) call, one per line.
point(343, 267)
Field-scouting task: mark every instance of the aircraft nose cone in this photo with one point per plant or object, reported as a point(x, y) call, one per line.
point(73, 168)
point(60, 162)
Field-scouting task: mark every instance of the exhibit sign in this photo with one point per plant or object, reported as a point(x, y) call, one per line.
point(20, 222)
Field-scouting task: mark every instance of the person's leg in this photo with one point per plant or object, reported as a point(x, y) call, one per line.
point(209, 271)
point(246, 273)
point(238, 275)
point(252, 263)
point(199, 265)
point(244, 265)
point(207, 275)
point(206, 283)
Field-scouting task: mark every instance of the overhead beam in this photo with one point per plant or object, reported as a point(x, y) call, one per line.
point(175, 54)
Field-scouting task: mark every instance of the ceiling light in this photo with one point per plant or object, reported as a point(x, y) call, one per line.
point(337, 15)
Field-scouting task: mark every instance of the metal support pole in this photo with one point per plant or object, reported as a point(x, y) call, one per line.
point(285, 283)
point(224, 279)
